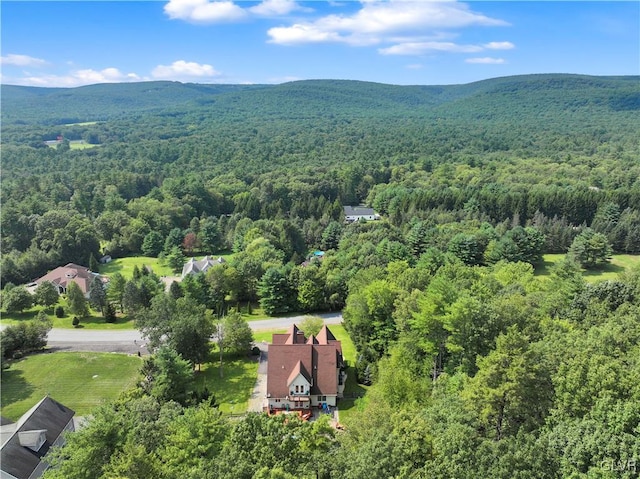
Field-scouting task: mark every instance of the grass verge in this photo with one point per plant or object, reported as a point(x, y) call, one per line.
point(355, 394)
point(80, 381)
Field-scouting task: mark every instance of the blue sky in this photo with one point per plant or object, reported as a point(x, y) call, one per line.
point(76, 43)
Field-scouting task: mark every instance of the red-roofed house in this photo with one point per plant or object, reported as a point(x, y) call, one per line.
point(63, 275)
point(304, 372)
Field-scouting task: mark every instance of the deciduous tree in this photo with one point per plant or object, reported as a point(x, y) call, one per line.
point(16, 299)
point(46, 294)
point(237, 335)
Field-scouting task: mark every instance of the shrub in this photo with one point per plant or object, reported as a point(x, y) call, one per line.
point(75, 322)
point(59, 312)
point(24, 337)
point(255, 351)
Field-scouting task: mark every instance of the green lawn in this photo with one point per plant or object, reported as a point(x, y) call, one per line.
point(233, 390)
point(77, 145)
point(265, 335)
point(95, 321)
point(80, 381)
point(619, 263)
point(125, 266)
point(81, 145)
point(348, 405)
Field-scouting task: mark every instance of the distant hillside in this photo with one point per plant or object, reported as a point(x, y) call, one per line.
point(103, 101)
point(499, 99)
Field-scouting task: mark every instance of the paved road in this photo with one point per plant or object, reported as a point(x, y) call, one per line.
point(130, 335)
point(131, 341)
point(283, 323)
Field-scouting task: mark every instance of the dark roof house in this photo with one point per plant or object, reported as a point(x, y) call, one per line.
point(31, 438)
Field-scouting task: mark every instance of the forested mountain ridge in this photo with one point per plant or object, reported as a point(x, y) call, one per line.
point(100, 102)
point(316, 98)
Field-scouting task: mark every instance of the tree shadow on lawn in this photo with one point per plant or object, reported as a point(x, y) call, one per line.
point(14, 387)
point(22, 316)
point(101, 321)
point(604, 270)
point(352, 391)
point(543, 268)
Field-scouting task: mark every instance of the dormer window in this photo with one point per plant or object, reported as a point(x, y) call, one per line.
point(33, 439)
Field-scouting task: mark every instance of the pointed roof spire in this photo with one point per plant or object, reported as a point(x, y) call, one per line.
point(325, 335)
point(293, 334)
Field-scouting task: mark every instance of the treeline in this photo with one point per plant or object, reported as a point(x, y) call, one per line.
point(57, 223)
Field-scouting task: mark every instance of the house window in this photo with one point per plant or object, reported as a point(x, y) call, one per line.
point(297, 388)
point(277, 400)
point(319, 398)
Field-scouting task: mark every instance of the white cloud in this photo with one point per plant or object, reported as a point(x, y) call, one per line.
point(422, 48)
point(377, 19)
point(302, 33)
point(22, 60)
point(486, 61)
point(179, 71)
point(218, 11)
point(204, 11)
point(184, 70)
point(108, 75)
point(75, 78)
point(275, 7)
point(415, 66)
point(499, 45)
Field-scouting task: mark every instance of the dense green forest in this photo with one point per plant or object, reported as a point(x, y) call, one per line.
point(479, 369)
point(558, 152)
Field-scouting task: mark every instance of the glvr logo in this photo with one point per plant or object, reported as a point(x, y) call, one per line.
point(621, 466)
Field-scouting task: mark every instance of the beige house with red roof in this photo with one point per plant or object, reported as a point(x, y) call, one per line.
point(70, 273)
point(304, 372)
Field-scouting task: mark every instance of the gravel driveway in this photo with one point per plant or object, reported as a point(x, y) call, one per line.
point(260, 389)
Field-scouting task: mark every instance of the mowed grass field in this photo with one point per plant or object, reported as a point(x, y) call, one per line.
point(77, 145)
point(80, 381)
point(233, 390)
point(619, 263)
point(94, 321)
point(125, 266)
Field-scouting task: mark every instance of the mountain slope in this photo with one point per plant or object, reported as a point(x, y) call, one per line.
point(549, 97)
